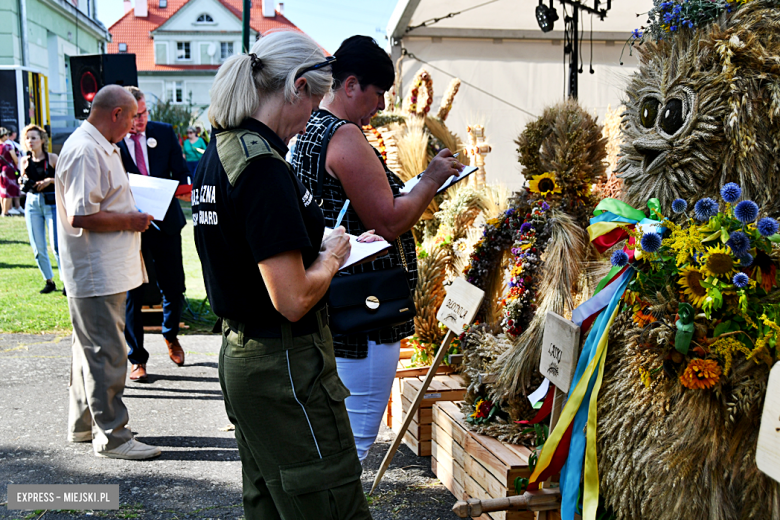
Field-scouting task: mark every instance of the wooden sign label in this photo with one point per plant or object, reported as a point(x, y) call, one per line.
point(460, 305)
point(768, 450)
point(560, 347)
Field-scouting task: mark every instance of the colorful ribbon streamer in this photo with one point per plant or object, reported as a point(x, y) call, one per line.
point(570, 441)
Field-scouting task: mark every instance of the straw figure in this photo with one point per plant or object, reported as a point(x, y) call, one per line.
point(703, 110)
point(563, 154)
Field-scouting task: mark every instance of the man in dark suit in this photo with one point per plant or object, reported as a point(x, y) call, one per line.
point(153, 149)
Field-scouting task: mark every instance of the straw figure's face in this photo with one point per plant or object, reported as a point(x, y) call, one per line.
point(703, 110)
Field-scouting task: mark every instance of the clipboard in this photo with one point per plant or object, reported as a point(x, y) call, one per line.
point(411, 183)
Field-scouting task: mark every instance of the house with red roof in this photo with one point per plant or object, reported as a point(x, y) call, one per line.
point(180, 44)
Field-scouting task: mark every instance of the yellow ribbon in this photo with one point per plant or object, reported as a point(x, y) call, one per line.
point(602, 228)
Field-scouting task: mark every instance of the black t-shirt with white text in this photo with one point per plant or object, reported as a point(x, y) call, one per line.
point(266, 213)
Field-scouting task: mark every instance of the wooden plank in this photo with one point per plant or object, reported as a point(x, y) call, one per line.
point(421, 371)
point(437, 391)
point(419, 448)
point(407, 353)
point(450, 483)
point(424, 415)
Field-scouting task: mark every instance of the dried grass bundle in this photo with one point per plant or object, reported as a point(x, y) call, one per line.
point(439, 130)
point(412, 142)
point(562, 267)
point(429, 295)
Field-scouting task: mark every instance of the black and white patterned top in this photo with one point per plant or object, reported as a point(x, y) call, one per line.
point(305, 160)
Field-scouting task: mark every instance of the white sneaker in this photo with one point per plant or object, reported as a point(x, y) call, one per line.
point(14, 212)
point(131, 450)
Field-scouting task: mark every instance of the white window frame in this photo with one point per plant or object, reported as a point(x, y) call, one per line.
point(171, 88)
point(188, 51)
point(231, 53)
point(119, 47)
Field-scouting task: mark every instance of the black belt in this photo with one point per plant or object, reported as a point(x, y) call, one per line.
point(312, 323)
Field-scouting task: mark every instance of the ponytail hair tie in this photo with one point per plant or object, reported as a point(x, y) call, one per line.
point(257, 65)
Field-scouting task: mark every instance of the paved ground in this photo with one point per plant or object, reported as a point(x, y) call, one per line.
point(180, 410)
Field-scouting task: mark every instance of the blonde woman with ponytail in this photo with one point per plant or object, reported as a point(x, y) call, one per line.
point(259, 235)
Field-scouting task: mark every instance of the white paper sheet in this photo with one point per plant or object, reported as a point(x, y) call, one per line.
point(540, 392)
point(361, 250)
point(152, 195)
point(411, 183)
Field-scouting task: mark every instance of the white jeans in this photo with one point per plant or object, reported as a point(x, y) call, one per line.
point(370, 381)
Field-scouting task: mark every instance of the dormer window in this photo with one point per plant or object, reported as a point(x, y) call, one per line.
point(204, 18)
point(163, 4)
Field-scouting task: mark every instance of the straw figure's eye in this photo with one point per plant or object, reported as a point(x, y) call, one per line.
point(672, 117)
point(649, 112)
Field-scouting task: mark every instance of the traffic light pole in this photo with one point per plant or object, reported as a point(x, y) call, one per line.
point(245, 28)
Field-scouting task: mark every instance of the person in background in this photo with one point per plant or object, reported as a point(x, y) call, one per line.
point(12, 140)
point(259, 235)
point(37, 178)
point(354, 170)
point(9, 187)
point(194, 146)
point(202, 133)
point(152, 148)
point(99, 229)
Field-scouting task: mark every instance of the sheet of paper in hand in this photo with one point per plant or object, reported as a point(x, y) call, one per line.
point(152, 195)
point(560, 346)
point(361, 250)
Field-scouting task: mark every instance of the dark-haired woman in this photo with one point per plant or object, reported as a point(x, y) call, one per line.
point(355, 171)
point(267, 269)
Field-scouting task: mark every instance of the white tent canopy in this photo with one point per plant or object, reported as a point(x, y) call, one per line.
point(510, 69)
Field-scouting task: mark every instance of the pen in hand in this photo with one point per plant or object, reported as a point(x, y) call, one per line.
point(341, 214)
point(152, 223)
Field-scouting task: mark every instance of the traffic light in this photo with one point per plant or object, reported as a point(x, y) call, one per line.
point(90, 72)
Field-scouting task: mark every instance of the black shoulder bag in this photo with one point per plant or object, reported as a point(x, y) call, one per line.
point(366, 302)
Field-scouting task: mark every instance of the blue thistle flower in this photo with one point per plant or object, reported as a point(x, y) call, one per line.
point(705, 209)
point(636, 34)
point(739, 243)
point(619, 258)
point(679, 205)
point(746, 260)
point(651, 242)
point(741, 280)
point(767, 226)
point(731, 192)
point(746, 211)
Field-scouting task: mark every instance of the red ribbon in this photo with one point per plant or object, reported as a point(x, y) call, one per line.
point(607, 240)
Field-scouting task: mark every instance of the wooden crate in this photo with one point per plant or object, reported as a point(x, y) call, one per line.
point(475, 466)
point(405, 387)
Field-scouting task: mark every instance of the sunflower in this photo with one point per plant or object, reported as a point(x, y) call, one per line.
point(690, 280)
point(544, 184)
point(701, 374)
point(717, 261)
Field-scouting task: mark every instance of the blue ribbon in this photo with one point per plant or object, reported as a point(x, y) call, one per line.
point(572, 471)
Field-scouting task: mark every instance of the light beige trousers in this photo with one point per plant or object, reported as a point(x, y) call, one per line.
point(98, 371)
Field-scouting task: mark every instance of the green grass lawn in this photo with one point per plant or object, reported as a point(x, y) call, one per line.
point(24, 309)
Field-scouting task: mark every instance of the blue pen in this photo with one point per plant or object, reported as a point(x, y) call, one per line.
point(152, 223)
point(341, 214)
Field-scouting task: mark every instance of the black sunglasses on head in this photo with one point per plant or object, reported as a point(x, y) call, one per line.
point(328, 61)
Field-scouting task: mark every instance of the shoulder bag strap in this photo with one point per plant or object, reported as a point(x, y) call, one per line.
point(321, 162)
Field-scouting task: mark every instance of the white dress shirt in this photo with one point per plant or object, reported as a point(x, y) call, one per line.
point(131, 148)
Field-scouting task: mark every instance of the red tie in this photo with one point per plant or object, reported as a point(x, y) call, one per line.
point(139, 154)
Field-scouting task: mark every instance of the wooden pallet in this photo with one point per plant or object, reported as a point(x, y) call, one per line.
point(475, 466)
point(444, 387)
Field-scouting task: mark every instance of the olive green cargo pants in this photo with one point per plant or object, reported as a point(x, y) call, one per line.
point(286, 400)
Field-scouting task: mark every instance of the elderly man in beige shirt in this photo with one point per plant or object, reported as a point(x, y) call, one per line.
point(100, 249)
